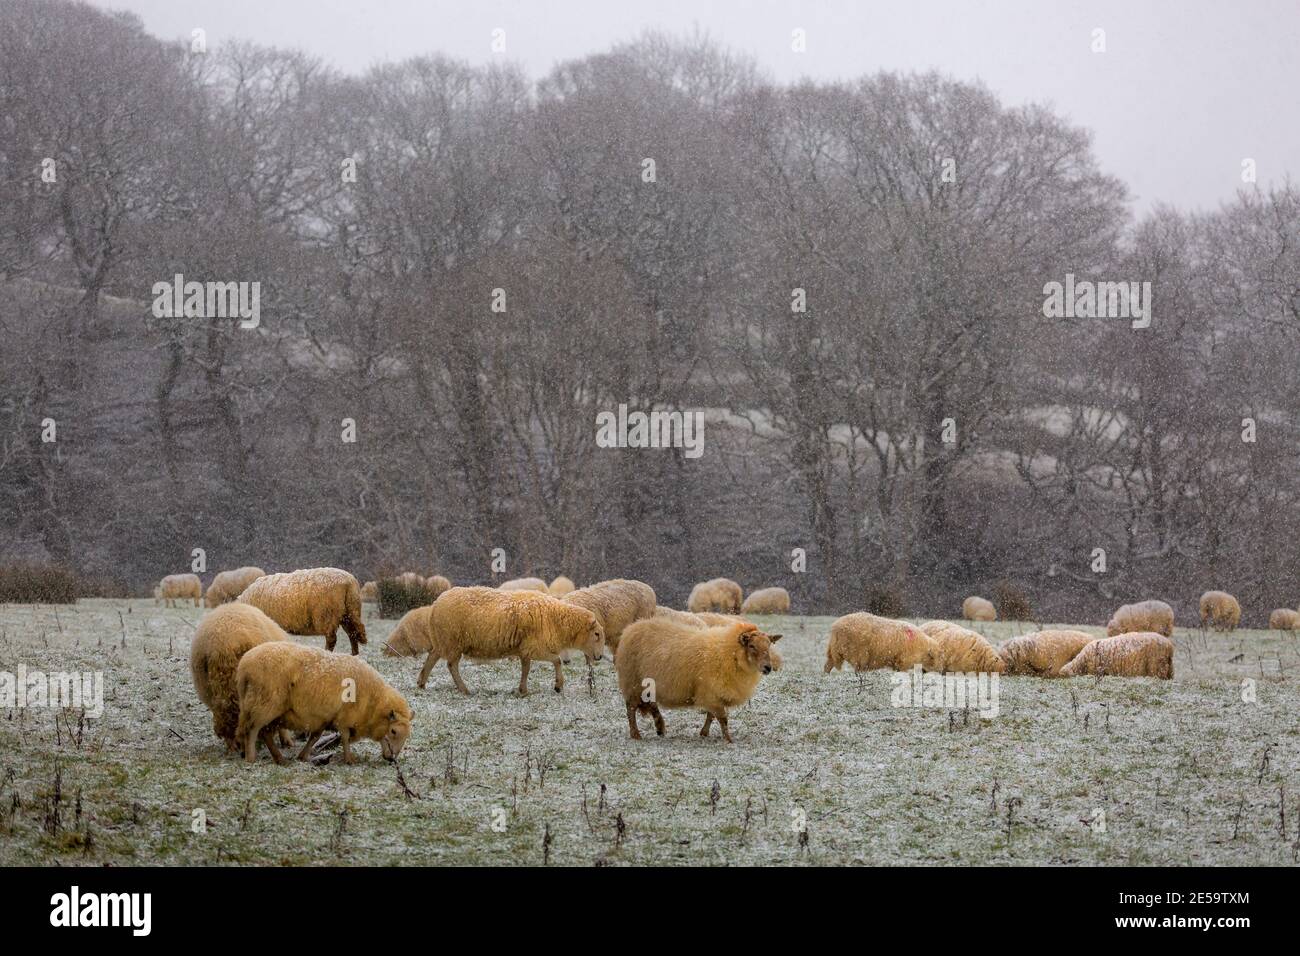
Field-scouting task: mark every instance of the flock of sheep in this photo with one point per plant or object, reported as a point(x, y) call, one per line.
point(260, 685)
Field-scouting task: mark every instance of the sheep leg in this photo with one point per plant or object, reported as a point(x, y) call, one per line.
point(345, 735)
point(426, 669)
point(722, 722)
point(708, 723)
point(453, 665)
point(524, 665)
point(250, 742)
point(559, 676)
point(305, 753)
point(331, 638)
point(268, 738)
point(631, 721)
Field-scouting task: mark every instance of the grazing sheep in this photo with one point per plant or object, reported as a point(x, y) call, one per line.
point(312, 601)
point(1154, 616)
point(1220, 611)
point(767, 601)
point(684, 617)
point(436, 584)
point(228, 585)
point(525, 584)
point(487, 623)
point(1284, 619)
point(978, 609)
point(960, 650)
point(1044, 653)
point(663, 663)
point(179, 587)
point(720, 594)
point(1141, 654)
point(370, 592)
point(309, 690)
point(411, 636)
point(219, 642)
point(616, 604)
point(868, 642)
point(561, 586)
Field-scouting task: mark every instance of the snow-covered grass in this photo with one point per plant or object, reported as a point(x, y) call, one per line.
point(1184, 771)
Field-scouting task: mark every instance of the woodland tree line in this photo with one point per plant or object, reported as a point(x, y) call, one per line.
point(1174, 448)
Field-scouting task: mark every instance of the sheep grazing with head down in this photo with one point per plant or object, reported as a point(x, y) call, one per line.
point(487, 623)
point(616, 604)
point(436, 584)
point(228, 585)
point(525, 584)
point(1043, 653)
point(867, 642)
point(1126, 655)
point(978, 609)
point(958, 649)
point(370, 592)
point(309, 690)
point(663, 663)
point(1154, 616)
point(767, 601)
point(1284, 619)
point(561, 586)
point(220, 641)
point(411, 636)
point(312, 601)
point(179, 587)
point(1220, 611)
point(720, 594)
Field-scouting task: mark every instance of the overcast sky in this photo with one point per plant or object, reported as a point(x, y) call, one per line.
point(1185, 90)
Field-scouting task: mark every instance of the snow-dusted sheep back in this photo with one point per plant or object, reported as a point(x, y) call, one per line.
point(561, 586)
point(978, 609)
point(1154, 616)
point(1140, 654)
point(867, 642)
point(179, 587)
point(720, 594)
point(767, 601)
point(1220, 611)
point(311, 602)
point(436, 584)
point(1043, 653)
point(958, 649)
point(1284, 619)
point(525, 584)
point(664, 663)
point(487, 623)
point(228, 585)
point(682, 617)
point(309, 690)
point(220, 640)
point(616, 604)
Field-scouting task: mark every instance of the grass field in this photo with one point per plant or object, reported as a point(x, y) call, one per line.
point(1185, 771)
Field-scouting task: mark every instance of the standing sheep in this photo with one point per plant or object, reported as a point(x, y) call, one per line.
point(1154, 616)
point(486, 623)
point(1284, 619)
point(868, 642)
point(370, 592)
point(312, 601)
point(1143, 654)
point(767, 601)
point(720, 594)
point(411, 636)
point(228, 585)
point(436, 584)
point(309, 690)
point(960, 650)
point(616, 604)
point(1220, 611)
point(179, 587)
point(1043, 653)
point(220, 640)
point(525, 584)
point(664, 663)
point(978, 609)
point(561, 586)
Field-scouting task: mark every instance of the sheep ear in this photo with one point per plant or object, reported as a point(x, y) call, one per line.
point(774, 637)
point(746, 638)
point(392, 715)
